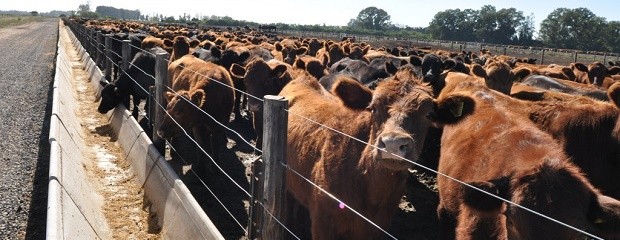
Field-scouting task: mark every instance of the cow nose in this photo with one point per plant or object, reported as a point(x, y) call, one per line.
point(399, 145)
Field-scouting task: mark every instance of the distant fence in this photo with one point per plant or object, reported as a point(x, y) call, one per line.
point(543, 55)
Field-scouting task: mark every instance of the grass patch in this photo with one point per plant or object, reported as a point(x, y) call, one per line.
point(8, 21)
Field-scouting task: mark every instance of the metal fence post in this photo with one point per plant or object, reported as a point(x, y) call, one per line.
point(274, 154)
point(161, 80)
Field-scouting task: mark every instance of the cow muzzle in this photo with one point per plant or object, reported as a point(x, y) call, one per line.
point(395, 146)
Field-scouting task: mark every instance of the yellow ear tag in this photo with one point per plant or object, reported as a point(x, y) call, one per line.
point(599, 221)
point(458, 110)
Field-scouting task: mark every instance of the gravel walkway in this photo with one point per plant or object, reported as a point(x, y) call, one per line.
point(27, 56)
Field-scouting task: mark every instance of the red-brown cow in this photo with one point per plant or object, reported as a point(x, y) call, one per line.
point(369, 180)
point(588, 129)
point(199, 86)
point(487, 143)
point(261, 78)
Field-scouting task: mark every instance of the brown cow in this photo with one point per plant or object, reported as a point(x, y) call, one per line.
point(588, 129)
point(362, 176)
point(331, 53)
point(261, 78)
point(486, 142)
point(199, 86)
point(180, 47)
point(287, 50)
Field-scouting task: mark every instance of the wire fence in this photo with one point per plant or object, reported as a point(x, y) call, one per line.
point(95, 45)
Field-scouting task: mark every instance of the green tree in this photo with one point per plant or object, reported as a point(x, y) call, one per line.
point(525, 31)
point(84, 11)
point(453, 24)
point(34, 13)
point(372, 18)
point(612, 36)
point(573, 28)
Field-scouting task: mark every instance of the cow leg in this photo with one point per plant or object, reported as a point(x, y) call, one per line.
point(258, 128)
point(202, 162)
point(237, 109)
point(321, 225)
point(136, 107)
point(447, 224)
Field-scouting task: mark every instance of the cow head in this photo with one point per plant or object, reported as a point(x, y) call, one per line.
point(399, 110)
point(290, 51)
point(499, 75)
point(261, 79)
point(181, 108)
point(433, 66)
point(111, 96)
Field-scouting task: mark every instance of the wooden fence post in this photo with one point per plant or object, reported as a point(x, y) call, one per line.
point(542, 58)
point(605, 58)
point(92, 43)
point(161, 81)
point(107, 73)
point(274, 154)
point(257, 185)
point(575, 60)
point(126, 54)
point(99, 49)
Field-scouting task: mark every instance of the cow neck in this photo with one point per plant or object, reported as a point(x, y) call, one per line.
point(385, 187)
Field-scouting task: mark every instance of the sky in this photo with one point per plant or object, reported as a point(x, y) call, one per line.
point(411, 13)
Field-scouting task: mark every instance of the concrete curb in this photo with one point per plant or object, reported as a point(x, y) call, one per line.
point(179, 215)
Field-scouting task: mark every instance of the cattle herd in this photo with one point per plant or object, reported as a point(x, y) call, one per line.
point(545, 138)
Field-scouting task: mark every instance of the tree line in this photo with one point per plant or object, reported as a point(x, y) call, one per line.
point(563, 28)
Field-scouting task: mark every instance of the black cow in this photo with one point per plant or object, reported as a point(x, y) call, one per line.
point(140, 71)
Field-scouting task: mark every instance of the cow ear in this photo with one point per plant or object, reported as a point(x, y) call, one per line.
point(169, 96)
point(479, 200)
point(448, 64)
point(390, 68)
point(279, 70)
point(244, 56)
point(415, 61)
point(302, 50)
point(604, 212)
point(198, 97)
point(237, 70)
point(451, 109)
point(521, 73)
point(278, 46)
point(168, 43)
point(299, 63)
point(580, 67)
point(614, 94)
point(352, 93)
point(477, 70)
point(194, 43)
point(104, 82)
point(216, 52)
point(615, 70)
